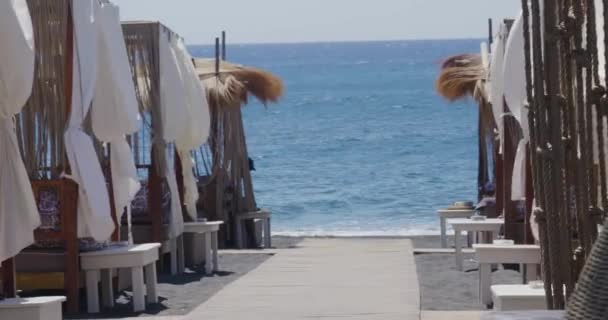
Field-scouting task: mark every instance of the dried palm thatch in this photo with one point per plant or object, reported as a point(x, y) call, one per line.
point(237, 83)
point(461, 76)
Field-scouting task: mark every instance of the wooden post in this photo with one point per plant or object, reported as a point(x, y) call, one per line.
point(512, 225)
point(114, 210)
point(69, 199)
point(223, 45)
point(529, 238)
point(155, 199)
point(70, 192)
point(490, 35)
point(217, 56)
point(9, 287)
point(179, 175)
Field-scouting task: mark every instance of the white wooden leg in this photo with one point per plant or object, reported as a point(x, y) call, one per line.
point(214, 248)
point(151, 292)
point(239, 234)
point(107, 288)
point(444, 240)
point(485, 282)
point(208, 262)
point(137, 276)
point(531, 272)
point(267, 234)
point(458, 249)
point(181, 262)
point(173, 255)
point(92, 279)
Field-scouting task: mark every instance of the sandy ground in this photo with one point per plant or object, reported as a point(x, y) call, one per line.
point(445, 288)
point(180, 294)
point(442, 287)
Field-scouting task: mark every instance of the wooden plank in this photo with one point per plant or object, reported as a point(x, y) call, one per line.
point(440, 250)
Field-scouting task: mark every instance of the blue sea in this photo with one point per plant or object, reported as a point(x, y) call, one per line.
point(360, 144)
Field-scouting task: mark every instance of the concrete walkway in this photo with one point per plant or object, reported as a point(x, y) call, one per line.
point(324, 279)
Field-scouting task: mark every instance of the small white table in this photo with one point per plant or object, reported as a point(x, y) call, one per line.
point(445, 214)
point(489, 254)
point(209, 229)
point(518, 297)
point(263, 215)
point(38, 308)
point(491, 226)
point(135, 258)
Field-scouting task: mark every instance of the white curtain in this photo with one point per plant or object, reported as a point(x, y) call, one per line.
point(94, 213)
point(196, 128)
point(173, 116)
point(114, 112)
point(515, 95)
point(496, 83)
point(599, 19)
point(18, 212)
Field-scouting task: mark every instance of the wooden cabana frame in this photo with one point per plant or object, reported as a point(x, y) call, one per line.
point(228, 190)
point(142, 42)
point(41, 138)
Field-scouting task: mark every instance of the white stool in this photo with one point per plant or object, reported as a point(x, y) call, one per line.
point(518, 297)
point(490, 254)
point(491, 226)
point(209, 230)
point(264, 215)
point(39, 308)
point(135, 258)
point(445, 214)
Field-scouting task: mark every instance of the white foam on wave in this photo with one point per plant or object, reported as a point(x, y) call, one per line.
point(404, 232)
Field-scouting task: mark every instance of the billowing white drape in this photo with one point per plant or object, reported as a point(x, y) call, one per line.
point(496, 83)
point(173, 117)
point(94, 213)
point(515, 95)
point(196, 128)
point(18, 212)
point(599, 19)
point(114, 112)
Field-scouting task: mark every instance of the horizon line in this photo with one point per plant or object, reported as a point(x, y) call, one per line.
point(338, 41)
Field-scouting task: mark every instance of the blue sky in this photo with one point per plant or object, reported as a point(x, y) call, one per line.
point(270, 21)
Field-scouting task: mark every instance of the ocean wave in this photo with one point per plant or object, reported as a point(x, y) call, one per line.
point(358, 233)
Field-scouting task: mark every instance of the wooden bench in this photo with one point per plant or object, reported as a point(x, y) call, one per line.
point(490, 226)
point(135, 258)
point(446, 214)
point(263, 215)
point(490, 254)
point(209, 231)
point(518, 297)
point(39, 308)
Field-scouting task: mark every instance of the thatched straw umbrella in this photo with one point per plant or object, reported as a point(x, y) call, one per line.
point(463, 76)
point(261, 84)
point(229, 88)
